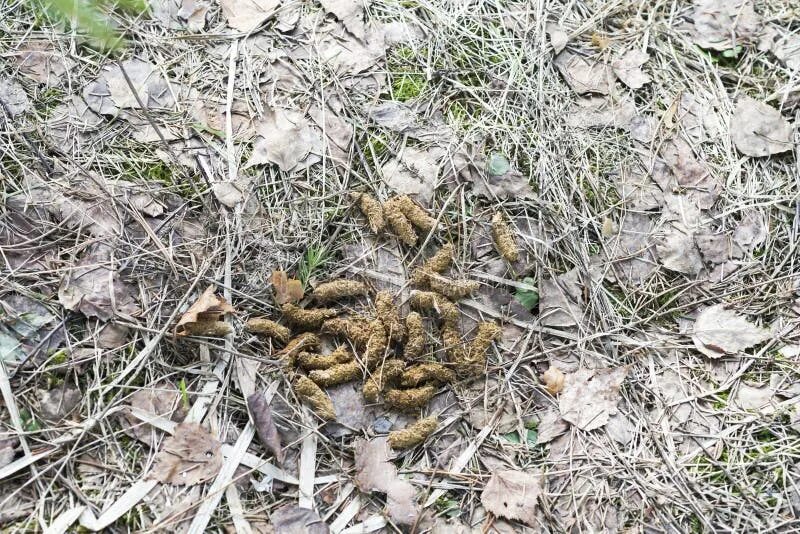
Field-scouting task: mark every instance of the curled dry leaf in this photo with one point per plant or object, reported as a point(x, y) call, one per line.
point(590, 396)
point(286, 289)
point(558, 37)
point(204, 317)
point(287, 139)
point(265, 426)
point(514, 495)
point(188, 457)
point(759, 130)
point(374, 472)
point(719, 331)
point(553, 380)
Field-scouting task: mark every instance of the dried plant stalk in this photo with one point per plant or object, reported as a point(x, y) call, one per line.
point(409, 399)
point(310, 319)
point(399, 223)
point(389, 315)
point(339, 289)
point(376, 383)
point(504, 238)
point(267, 327)
point(303, 342)
point(356, 329)
point(413, 434)
point(320, 402)
point(372, 210)
point(311, 360)
point(427, 372)
point(415, 214)
point(430, 301)
point(337, 374)
point(376, 345)
point(415, 337)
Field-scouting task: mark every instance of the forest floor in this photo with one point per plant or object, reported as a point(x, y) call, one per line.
point(624, 358)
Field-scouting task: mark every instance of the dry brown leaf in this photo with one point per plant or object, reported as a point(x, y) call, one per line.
point(59, 402)
point(374, 472)
point(719, 331)
point(13, 97)
point(514, 495)
point(590, 396)
point(204, 317)
point(584, 75)
point(725, 24)
point(349, 12)
point(560, 300)
point(163, 400)
point(247, 15)
point(190, 456)
point(558, 37)
point(261, 413)
point(291, 519)
point(286, 289)
point(628, 68)
point(759, 130)
point(553, 380)
point(286, 139)
point(40, 61)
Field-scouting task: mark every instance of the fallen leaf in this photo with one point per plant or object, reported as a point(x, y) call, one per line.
point(753, 398)
point(374, 472)
point(151, 88)
point(620, 429)
point(752, 231)
point(560, 300)
point(553, 380)
point(590, 396)
point(265, 427)
point(162, 399)
point(286, 289)
point(719, 331)
point(349, 12)
point(558, 37)
point(352, 414)
point(228, 194)
point(27, 327)
point(413, 172)
point(247, 15)
point(41, 62)
point(58, 403)
point(205, 316)
point(72, 122)
point(95, 288)
point(717, 248)
point(7, 451)
point(698, 118)
point(638, 190)
point(514, 495)
point(628, 68)
point(13, 98)
point(291, 519)
point(285, 138)
point(178, 14)
point(643, 128)
point(190, 456)
point(584, 75)
point(677, 251)
point(725, 24)
point(338, 132)
point(601, 113)
point(759, 130)
point(784, 45)
point(551, 425)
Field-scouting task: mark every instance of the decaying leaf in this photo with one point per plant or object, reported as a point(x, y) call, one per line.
point(247, 15)
point(719, 331)
point(678, 252)
point(725, 24)
point(514, 495)
point(583, 75)
point(759, 130)
point(190, 456)
point(205, 316)
point(349, 12)
point(553, 380)
point(374, 472)
point(291, 519)
point(41, 62)
point(286, 289)
point(13, 98)
point(628, 68)
point(287, 139)
point(151, 87)
point(590, 396)
point(599, 112)
point(558, 37)
point(413, 172)
point(265, 427)
point(178, 14)
point(58, 403)
point(162, 399)
point(560, 300)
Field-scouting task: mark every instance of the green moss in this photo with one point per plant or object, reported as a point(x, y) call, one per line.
point(407, 86)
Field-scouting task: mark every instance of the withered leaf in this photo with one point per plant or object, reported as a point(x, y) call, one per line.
point(584, 75)
point(553, 380)
point(628, 68)
point(247, 15)
point(590, 396)
point(725, 24)
point(204, 317)
point(291, 519)
point(286, 289)
point(513, 495)
point(759, 130)
point(59, 402)
point(261, 413)
point(163, 399)
point(374, 472)
point(190, 456)
point(719, 331)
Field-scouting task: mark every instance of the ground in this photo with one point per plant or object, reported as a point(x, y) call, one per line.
point(210, 164)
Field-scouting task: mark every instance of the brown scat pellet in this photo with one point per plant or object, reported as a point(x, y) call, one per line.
point(399, 223)
point(427, 372)
point(389, 315)
point(355, 329)
point(413, 434)
point(269, 328)
point(441, 260)
point(453, 345)
point(504, 238)
point(452, 289)
point(415, 214)
point(337, 374)
point(430, 301)
point(339, 289)
point(311, 360)
point(372, 210)
point(311, 393)
point(307, 319)
point(389, 373)
point(473, 360)
point(409, 399)
point(376, 345)
point(415, 337)
point(303, 342)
